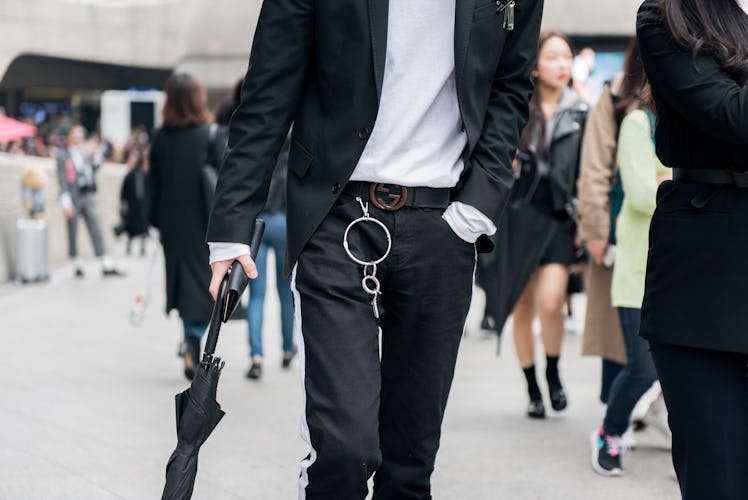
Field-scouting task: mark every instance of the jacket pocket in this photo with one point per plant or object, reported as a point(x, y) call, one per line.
point(485, 10)
point(299, 159)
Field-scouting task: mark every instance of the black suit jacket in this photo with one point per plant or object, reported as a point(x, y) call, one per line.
point(320, 64)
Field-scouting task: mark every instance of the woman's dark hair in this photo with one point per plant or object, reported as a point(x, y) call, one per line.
point(228, 105)
point(719, 27)
point(536, 112)
point(634, 86)
point(185, 102)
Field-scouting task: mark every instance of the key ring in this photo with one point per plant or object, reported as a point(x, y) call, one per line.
point(367, 218)
point(371, 278)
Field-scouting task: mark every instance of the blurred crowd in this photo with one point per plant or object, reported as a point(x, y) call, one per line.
point(567, 151)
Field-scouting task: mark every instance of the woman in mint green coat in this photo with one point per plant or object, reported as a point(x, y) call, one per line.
point(641, 172)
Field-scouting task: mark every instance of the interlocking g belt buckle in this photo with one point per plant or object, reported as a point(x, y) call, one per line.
point(389, 197)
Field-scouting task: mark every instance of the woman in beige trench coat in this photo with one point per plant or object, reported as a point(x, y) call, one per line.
point(602, 331)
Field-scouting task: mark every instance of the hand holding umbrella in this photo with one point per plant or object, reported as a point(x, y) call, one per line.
point(198, 412)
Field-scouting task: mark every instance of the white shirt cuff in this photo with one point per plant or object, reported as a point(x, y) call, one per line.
point(226, 251)
point(467, 221)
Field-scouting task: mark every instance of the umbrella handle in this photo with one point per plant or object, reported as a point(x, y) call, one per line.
point(230, 291)
point(237, 279)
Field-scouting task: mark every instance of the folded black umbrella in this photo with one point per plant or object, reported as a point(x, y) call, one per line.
point(198, 412)
point(524, 235)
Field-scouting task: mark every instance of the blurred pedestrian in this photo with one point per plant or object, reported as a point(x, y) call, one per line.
point(274, 215)
point(134, 200)
point(412, 141)
point(640, 173)
point(694, 310)
point(33, 181)
point(177, 206)
point(543, 203)
point(76, 170)
point(598, 207)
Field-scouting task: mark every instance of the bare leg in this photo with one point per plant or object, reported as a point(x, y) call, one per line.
point(551, 294)
point(524, 313)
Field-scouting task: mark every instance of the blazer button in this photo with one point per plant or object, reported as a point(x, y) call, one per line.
point(336, 188)
point(363, 133)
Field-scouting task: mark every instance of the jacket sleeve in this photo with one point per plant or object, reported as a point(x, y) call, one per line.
point(638, 163)
point(596, 169)
point(697, 87)
point(270, 96)
point(508, 108)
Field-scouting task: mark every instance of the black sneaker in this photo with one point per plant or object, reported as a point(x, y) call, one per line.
point(79, 274)
point(536, 408)
point(288, 357)
point(255, 371)
point(113, 272)
point(606, 453)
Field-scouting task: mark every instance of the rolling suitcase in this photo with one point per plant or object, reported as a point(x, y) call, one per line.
point(32, 260)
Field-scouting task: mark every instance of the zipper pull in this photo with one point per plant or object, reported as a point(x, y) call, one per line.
point(509, 15)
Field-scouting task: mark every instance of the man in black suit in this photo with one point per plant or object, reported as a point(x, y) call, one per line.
point(406, 113)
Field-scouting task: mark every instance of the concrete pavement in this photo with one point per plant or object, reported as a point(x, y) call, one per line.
point(87, 409)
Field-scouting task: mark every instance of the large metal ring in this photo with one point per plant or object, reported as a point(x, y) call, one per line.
point(386, 232)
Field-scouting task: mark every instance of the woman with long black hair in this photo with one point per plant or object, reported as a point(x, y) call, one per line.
point(695, 308)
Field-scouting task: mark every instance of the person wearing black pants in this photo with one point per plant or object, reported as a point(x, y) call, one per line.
point(426, 288)
point(406, 114)
point(708, 408)
point(694, 311)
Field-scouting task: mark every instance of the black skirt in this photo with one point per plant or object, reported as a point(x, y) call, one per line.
point(696, 292)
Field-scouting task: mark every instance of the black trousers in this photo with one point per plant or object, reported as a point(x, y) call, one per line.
point(706, 393)
point(364, 415)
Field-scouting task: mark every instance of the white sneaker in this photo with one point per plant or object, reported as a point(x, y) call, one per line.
point(643, 405)
point(656, 417)
point(571, 325)
point(628, 439)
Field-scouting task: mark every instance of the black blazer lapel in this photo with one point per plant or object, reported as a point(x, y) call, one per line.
point(463, 20)
point(378, 14)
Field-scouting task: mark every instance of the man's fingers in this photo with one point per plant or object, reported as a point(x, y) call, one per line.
point(249, 266)
point(220, 269)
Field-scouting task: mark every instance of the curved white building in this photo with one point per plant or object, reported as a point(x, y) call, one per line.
point(58, 49)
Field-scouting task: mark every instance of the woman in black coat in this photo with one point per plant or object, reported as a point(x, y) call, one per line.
point(180, 150)
point(695, 309)
point(134, 200)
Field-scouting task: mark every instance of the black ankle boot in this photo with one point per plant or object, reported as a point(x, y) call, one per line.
point(536, 408)
point(558, 399)
point(557, 394)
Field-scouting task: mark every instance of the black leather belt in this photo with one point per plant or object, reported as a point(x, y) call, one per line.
point(394, 197)
point(721, 177)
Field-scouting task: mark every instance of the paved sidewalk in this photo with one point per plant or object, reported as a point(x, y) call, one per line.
point(87, 409)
